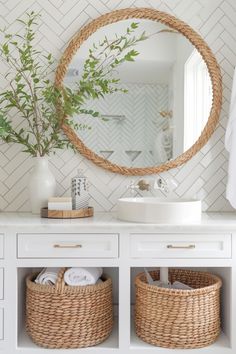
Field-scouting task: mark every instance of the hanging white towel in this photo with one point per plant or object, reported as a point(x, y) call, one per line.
point(47, 276)
point(230, 145)
point(159, 152)
point(82, 276)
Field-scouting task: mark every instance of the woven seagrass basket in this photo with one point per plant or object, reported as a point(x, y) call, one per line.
point(184, 319)
point(63, 316)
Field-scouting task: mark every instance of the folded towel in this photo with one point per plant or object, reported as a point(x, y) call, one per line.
point(82, 276)
point(180, 286)
point(47, 276)
point(60, 206)
point(230, 145)
point(60, 200)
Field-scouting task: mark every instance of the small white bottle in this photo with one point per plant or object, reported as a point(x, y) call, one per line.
point(79, 191)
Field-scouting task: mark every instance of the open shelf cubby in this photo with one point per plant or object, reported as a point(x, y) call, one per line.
point(115, 342)
point(24, 342)
point(222, 344)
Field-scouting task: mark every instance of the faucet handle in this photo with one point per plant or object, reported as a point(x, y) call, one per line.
point(166, 185)
point(161, 184)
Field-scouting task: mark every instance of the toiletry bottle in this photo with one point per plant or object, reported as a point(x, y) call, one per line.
point(79, 191)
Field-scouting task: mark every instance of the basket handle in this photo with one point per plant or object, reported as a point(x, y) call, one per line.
point(60, 283)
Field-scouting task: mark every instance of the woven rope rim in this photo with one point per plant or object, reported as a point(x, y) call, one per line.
point(65, 289)
point(193, 37)
point(182, 293)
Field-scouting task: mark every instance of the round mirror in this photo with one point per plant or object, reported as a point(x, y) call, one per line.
point(164, 97)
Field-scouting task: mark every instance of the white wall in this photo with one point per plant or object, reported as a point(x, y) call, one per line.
point(205, 173)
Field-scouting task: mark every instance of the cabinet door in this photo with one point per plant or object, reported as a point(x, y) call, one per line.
point(67, 245)
point(1, 283)
point(1, 323)
point(181, 246)
point(1, 246)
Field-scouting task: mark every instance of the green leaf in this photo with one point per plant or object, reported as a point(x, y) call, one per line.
point(5, 49)
point(134, 25)
point(5, 126)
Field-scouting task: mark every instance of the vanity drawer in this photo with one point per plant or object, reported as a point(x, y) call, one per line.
point(67, 245)
point(181, 246)
point(1, 245)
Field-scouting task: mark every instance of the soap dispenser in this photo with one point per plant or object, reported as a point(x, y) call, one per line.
point(79, 191)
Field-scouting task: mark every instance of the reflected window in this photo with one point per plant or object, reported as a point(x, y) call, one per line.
point(197, 98)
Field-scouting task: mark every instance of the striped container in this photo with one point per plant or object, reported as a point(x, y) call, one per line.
point(79, 191)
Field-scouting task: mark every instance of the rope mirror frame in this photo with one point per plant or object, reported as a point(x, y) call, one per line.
point(199, 44)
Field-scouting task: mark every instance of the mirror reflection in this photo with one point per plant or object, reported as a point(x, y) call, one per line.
point(164, 101)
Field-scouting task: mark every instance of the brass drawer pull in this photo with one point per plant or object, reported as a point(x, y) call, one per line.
point(67, 246)
point(181, 247)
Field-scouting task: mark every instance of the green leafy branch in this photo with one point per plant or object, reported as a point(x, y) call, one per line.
point(42, 107)
point(99, 69)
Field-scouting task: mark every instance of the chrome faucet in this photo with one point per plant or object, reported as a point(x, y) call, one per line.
point(142, 185)
point(159, 184)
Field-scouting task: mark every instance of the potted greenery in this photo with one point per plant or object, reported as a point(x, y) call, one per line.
point(42, 108)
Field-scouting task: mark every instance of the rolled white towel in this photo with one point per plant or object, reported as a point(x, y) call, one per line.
point(47, 276)
point(82, 276)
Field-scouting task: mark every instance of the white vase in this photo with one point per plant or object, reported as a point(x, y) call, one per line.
point(42, 184)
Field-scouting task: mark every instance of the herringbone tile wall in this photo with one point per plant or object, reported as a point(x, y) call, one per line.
point(131, 141)
point(205, 175)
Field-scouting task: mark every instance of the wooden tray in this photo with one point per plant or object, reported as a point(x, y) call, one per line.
point(66, 214)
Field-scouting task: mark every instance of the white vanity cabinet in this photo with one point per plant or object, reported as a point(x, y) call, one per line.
point(1, 323)
point(1, 283)
point(28, 243)
point(2, 252)
point(1, 246)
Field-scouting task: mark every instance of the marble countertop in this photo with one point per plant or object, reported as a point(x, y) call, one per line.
point(210, 221)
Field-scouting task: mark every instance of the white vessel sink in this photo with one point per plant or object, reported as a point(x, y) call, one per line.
point(159, 211)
